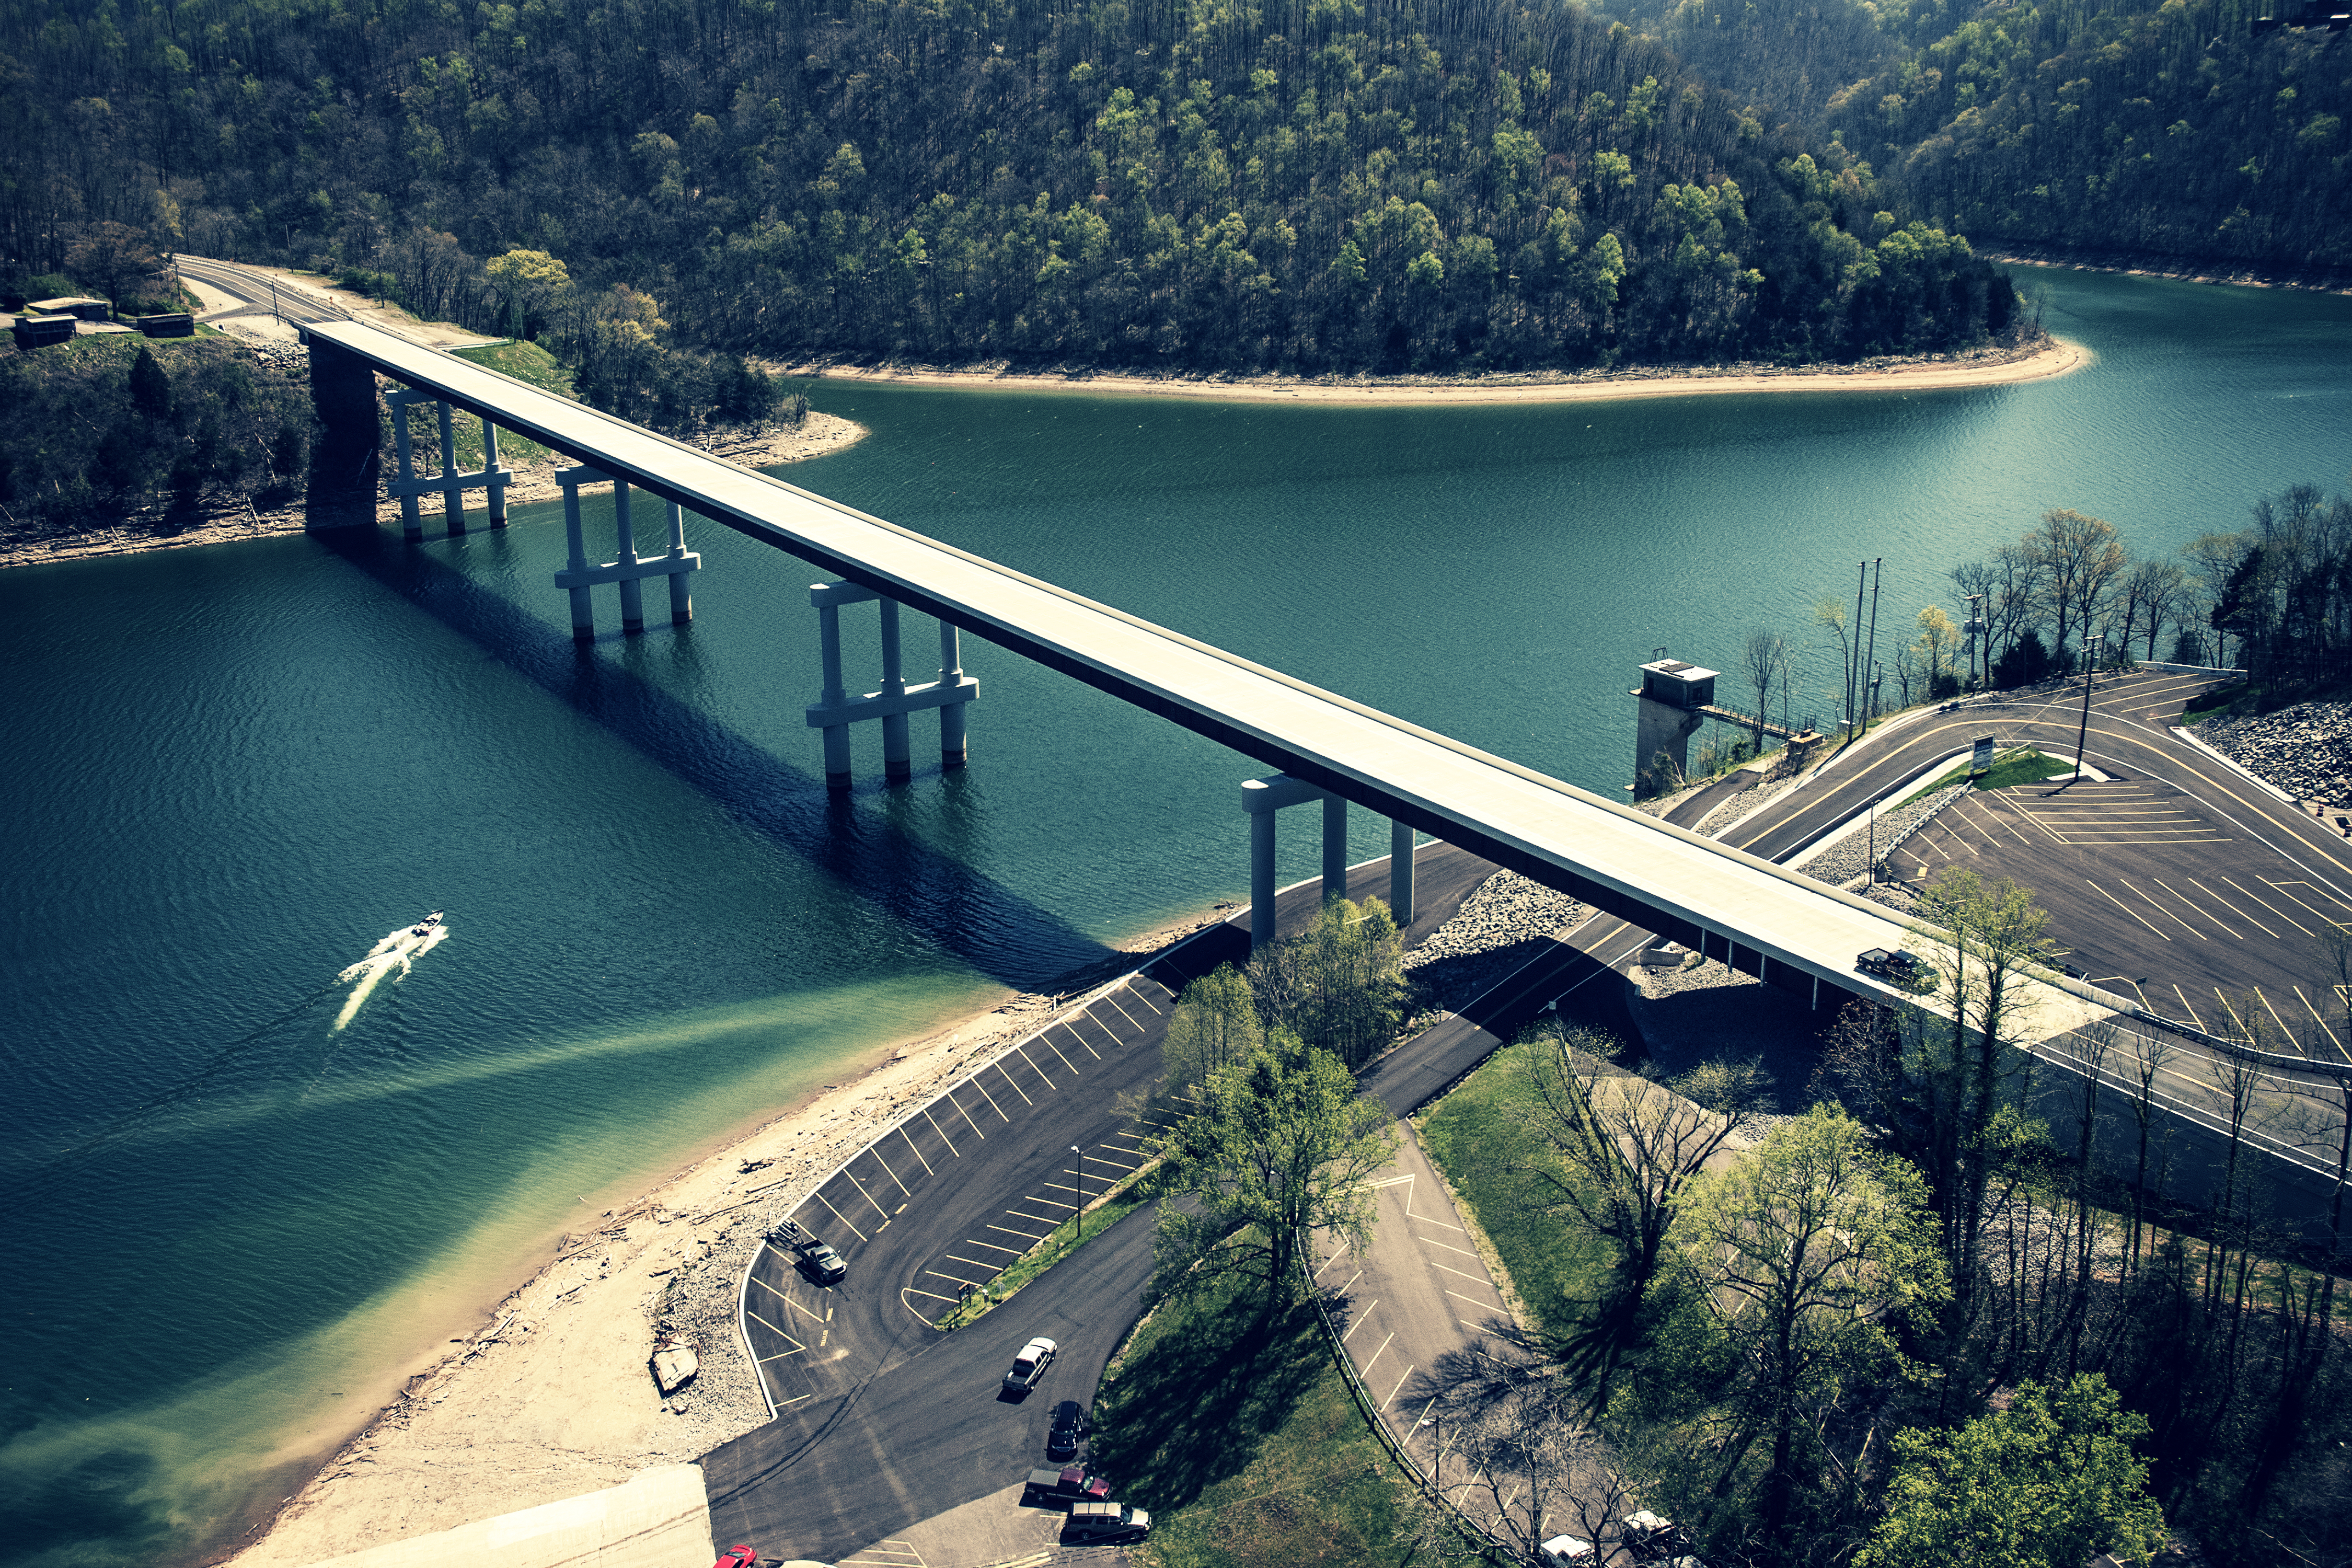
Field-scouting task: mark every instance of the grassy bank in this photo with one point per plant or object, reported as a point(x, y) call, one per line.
point(1064, 1240)
point(1243, 1441)
point(526, 362)
point(2023, 766)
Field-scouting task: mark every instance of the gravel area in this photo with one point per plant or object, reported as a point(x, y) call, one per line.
point(1740, 805)
point(1492, 935)
point(2306, 750)
point(1847, 858)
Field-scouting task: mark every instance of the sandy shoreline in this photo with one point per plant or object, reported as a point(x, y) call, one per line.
point(455, 1445)
point(534, 481)
point(1992, 367)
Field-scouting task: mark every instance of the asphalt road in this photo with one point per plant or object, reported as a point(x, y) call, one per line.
point(883, 1420)
point(259, 289)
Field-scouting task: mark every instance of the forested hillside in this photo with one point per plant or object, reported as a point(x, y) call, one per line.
point(2165, 129)
point(1323, 185)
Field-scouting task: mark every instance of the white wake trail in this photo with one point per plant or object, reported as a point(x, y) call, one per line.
point(400, 950)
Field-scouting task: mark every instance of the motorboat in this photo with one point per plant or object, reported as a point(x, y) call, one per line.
point(424, 927)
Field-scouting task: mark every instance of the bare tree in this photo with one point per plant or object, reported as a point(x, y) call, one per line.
point(2153, 591)
point(1629, 1150)
point(1831, 614)
point(1507, 1419)
point(1765, 659)
point(2080, 557)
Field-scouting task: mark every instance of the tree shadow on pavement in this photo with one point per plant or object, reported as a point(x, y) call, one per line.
point(1202, 1385)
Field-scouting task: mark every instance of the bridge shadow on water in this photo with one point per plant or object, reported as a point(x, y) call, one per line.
point(961, 910)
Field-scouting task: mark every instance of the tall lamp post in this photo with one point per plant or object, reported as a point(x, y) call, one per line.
point(2093, 647)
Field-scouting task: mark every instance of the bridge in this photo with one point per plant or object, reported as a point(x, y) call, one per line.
point(1788, 930)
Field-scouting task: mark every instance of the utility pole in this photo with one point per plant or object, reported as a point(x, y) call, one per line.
point(1975, 630)
point(2092, 648)
point(1853, 653)
point(1877, 571)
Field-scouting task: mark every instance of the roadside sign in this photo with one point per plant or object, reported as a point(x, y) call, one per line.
point(1982, 762)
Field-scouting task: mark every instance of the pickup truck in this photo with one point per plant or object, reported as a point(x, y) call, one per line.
point(1030, 1365)
point(1105, 1525)
point(818, 1260)
point(1052, 1489)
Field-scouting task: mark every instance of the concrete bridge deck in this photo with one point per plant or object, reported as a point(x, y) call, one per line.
point(1792, 931)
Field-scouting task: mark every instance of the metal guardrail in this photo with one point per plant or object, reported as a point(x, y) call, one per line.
point(1477, 1534)
point(2274, 1060)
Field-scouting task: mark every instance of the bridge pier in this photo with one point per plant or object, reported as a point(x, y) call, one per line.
point(629, 569)
point(1262, 798)
point(835, 710)
point(451, 485)
point(345, 453)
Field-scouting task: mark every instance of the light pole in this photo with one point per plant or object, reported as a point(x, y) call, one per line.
point(2091, 648)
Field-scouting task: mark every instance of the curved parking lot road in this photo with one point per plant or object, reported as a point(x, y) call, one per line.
point(882, 1419)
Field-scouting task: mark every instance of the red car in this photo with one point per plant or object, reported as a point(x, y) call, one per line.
point(739, 1557)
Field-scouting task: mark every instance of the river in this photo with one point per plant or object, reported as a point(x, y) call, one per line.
point(230, 772)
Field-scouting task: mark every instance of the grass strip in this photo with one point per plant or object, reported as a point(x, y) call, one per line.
point(1240, 1435)
point(2023, 765)
point(1059, 1243)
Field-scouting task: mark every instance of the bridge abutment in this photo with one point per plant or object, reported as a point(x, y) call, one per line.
point(344, 461)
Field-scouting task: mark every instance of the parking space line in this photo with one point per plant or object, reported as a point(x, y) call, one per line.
point(2274, 1013)
point(973, 1262)
point(842, 1217)
point(2193, 1018)
point(781, 1355)
point(1376, 1354)
point(2231, 908)
point(935, 1127)
point(1082, 1041)
point(2191, 907)
point(934, 1295)
point(2273, 908)
point(1046, 1040)
point(2323, 892)
point(974, 1082)
point(975, 1241)
point(1022, 1052)
point(1025, 1235)
point(2314, 1012)
point(1333, 1258)
point(1112, 997)
point(773, 1330)
point(874, 1153)
point(1463, 1250)
point(1360, 1321)
point(1059, 1187)
point(1137, 992)
point(867, 1196)
point(2280, 889)
point(1111, 1034)
point(999, 1065)
point(952, 1278)
point(1049, 1203)
point(1393, 1393)
point(787, 1300)
point(2138, 992)
point(2121, 905)
point(1475, 1279)
point(2249, 1034)
point(917, 1152)
point(1489, 1305)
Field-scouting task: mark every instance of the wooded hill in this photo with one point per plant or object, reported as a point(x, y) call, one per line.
point(2162, 128)
point(1316, 185)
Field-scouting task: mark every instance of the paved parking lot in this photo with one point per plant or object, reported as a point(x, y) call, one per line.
point(2156, 894)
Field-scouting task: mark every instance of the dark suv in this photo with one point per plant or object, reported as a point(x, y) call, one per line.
point(1069, 1426)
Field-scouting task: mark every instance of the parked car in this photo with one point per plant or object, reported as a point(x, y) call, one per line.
point(1030, 1365)
point(739, 1557)
point(1069, 1426)
point(1105, 1525)
point(1651, 1538)
point(1053, 1488)
point(1562, 1550)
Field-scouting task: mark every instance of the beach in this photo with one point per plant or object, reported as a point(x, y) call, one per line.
point(545, 1393)
point(1988, 367)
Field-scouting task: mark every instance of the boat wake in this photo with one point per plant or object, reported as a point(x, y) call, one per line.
point(399, 950)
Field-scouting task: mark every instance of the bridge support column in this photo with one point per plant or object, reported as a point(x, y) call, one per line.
point(898, 762)
point(633, 595)
point(1335, 848)
point(835, 710)
point(952, 732)
point(1401, 849)
point(681, 600)
point(497, 476)
point(583, 612)
point(411, 524)
point(453, 494)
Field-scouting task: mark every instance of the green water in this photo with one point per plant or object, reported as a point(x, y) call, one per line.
point(229, 772)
